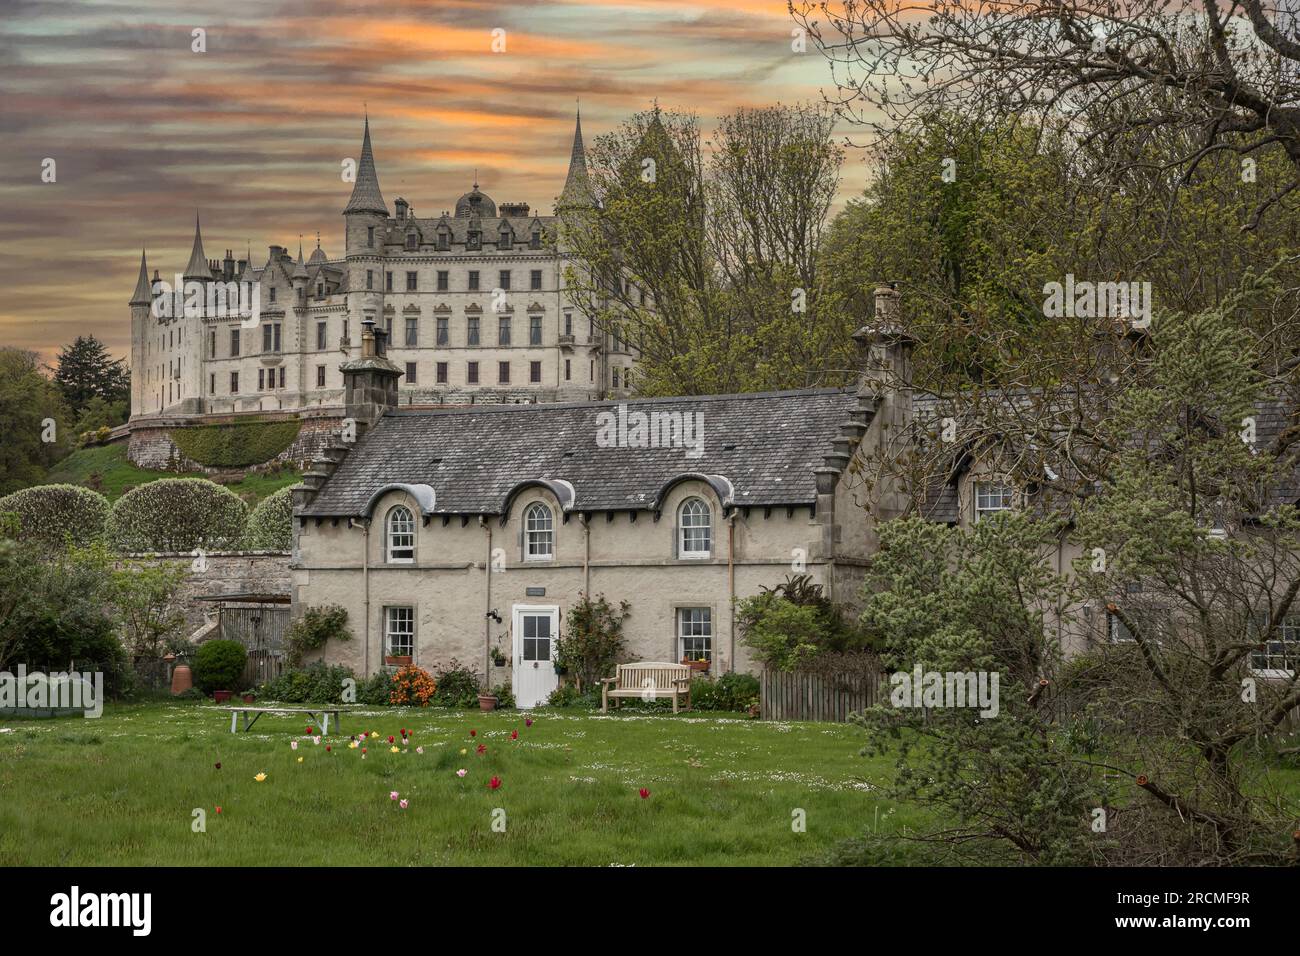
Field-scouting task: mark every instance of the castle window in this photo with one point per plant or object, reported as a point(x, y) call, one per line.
point(321, 342)
point(320, 290)
point(992, 497)
point(320, 376)
point(281, 376)
point(568, 323)
point(442, 373)
point(695, 529)
point(444, 333)
point(399, 536)
point(539, 533)
point(535, 240)
point(370, 278)
point(410, 373)
point(627, 378)
point(212, 384)
point(568, 369)
point(234, 343)
point(503, 330)
point(534, 330)
point(212, 345)
point(388, 281)
point(695, 633)
point(471, 373)
point(410, 281)
point(412, 242)
point(472, 331)
point(271, 337)
point(444, 240)
point(505, 239)
point(261, 379)
point(370, 235)
point(442, 280)
point(473, 280)
point(535, 372)
point(473, 239)
point(413, 330)
point(614, 372)
point(503, 373)
point(234, 383)
point(503, 279)
point(272, 293)
point(399, 631)
point(535, 280)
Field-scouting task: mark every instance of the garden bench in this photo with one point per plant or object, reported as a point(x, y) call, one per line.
point(647, 680)
point(312, 712)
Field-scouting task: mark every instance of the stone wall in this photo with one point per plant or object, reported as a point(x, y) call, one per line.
point(240, 572)
point(150, 444)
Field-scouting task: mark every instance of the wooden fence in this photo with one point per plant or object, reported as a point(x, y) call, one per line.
point(261, 629)
point(802, 695)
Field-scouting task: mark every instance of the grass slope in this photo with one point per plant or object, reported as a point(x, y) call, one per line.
point(118, 475)
point(121, 790)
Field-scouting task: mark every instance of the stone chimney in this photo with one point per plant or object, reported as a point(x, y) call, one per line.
point(887, 350)
point(370, 381)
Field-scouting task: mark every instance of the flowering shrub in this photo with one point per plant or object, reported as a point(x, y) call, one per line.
point(51, 514)
point(270, 525)
point(177, 514)
point(412, 685)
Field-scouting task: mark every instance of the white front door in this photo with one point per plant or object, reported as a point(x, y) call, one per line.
point(535, 629)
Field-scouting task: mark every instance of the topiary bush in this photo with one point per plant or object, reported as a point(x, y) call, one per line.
point(235, 446)
point(49, 515)
point(219, 665)
point(270, 524)
point(177, 514)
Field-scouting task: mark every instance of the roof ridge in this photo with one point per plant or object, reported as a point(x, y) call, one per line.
point(497, 408)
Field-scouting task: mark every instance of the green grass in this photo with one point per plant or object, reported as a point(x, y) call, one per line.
point(121, 790)
point(118, 475)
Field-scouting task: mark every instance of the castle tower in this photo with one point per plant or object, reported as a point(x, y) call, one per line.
point(141, 303)
point(366, 216)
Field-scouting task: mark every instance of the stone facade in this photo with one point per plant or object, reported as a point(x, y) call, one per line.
point(236, 572)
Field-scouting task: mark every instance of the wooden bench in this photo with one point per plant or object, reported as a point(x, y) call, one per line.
point(647, 680)
point(312, 712)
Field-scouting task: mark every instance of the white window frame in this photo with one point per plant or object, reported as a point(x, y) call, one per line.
point(1288, 639)
point(394, 533)
point(394, 615)
point(701, 627)
point(685, 545)
point(537, 536)
point(984, 490)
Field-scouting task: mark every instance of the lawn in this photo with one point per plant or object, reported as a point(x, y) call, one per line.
point(117, 475)
point(722, 790)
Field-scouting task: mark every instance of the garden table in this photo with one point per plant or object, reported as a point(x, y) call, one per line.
point(323, 712)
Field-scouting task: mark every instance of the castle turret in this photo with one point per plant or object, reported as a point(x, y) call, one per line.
point(141, 303)
point(366, 216)
point(198, 267)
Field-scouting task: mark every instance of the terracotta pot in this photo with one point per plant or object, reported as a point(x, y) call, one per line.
point(398, 661)
point(221, 696)
point(487, 702)
point(701, 666)
point(182, 679)
point(249, 698)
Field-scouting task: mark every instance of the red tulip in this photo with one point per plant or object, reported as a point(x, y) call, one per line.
point(403, 731)
point(308, 731)
point(390, 738)
point(218, 810)
point(327, 748)
point(482, 748)
point(217, 765)
point(494, 783)
point(363, 749)
point(644, 793)
point(514, 735)
point(473, 733)
point(528, 722)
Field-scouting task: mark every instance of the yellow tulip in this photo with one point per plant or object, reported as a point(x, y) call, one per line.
point(260, 777)
point(300, 760)
point(391, 750)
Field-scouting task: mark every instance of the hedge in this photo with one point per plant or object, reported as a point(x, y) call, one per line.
point(51, 514)
point(236, 445)
point(270, 525)
point(177, 514)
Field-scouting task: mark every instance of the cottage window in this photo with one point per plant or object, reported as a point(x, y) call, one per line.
point(695, 633)
point(400, 534)
point(1280, 654)
point(539, 533)
point(696, 529)
point(399, 631)
point(991, 497)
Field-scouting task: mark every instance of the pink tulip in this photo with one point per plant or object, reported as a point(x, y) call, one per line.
point(403, 804)
point(392, 795)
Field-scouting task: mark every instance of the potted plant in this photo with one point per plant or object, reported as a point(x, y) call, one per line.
point(221, 696)
point(249, 696)
point(399, 660)
point(701, 665)
point(498, 657)
point(487, 701)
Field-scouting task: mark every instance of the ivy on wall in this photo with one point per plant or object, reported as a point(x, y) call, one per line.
point(235, 445)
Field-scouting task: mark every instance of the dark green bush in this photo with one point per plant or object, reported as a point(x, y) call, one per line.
point(375, 689)
point(505, 696)
point(317, 683)
point(237, 445)
point(567, 695)
point(458, 686)
point(735, 692)
point(219, 665)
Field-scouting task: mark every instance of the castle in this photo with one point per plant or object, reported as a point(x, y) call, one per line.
point(473, 303)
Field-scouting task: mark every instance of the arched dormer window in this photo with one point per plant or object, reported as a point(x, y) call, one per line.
point(539, 533)
point(695, 529)
point(399, 536)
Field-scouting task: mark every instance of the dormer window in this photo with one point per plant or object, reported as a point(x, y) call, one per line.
point(539, 533)
point(474, 239)
point(444, 240)
point(535, 240)
point(992, 497)
point(505, 238)
point(399, 534)
point(412, 242)
point(695, 529)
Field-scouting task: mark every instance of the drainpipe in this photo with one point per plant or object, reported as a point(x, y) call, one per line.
point(365, 587)
point(731, 589)
point(586, 554)
point(487, 600)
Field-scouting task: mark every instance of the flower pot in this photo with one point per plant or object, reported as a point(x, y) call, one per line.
point(221, 696)
point(401, 660)
point(487, 702)
point(249, 698)
point(182, 679)
point(700, 666)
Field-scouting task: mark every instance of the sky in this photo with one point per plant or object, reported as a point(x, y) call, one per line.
point(251, 134)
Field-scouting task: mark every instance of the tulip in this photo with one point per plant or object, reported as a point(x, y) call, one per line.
point(482, 748)
point(644, 793)
point(217, 765)
point(494, 783)
point(528, 721)
point(300, 760)
point(461, 773)
point(393, 750)
point(403, 804)
point(293, 745)
point(392, 794)
point(260, 777)
point(419, 750)
point(514, 735)
point(218, 811)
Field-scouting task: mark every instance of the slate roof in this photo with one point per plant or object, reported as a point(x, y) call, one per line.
point(766, 444)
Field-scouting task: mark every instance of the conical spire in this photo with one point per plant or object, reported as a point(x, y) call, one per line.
point(198, 267)
point(577, 185)
point(143, 294)
point(300, 270)
point(366, 196)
